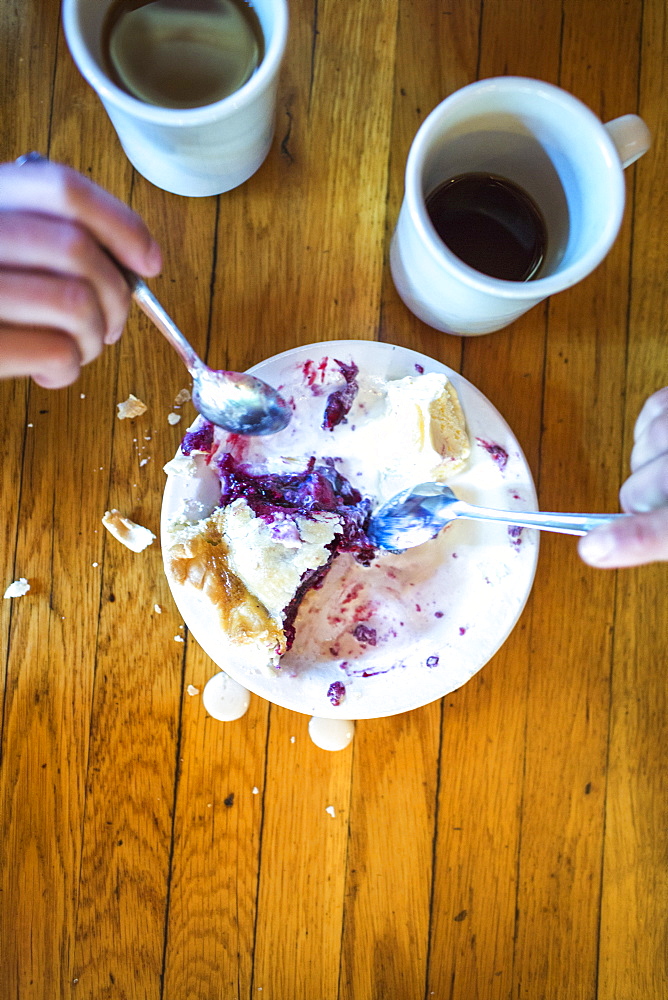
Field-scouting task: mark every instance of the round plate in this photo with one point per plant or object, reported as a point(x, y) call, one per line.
point(431, 616)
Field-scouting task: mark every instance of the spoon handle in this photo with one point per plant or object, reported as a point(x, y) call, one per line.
point(565, 524)
point(149, 305)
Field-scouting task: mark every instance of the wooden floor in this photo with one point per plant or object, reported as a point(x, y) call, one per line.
point(509, 841)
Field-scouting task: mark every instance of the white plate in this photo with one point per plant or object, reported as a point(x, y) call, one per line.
point(439, 611)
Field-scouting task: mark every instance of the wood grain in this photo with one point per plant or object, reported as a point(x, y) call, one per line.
point(567, 722)
point(632, 955)
point(505, 842)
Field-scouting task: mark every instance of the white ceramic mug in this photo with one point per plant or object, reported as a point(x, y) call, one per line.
point(551, 145)
point(190, 151)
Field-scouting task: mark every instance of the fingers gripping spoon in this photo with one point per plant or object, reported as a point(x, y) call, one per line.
point(237, 402)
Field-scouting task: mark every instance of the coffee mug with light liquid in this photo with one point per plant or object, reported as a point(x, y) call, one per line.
point(507, 159)
point(189, 120)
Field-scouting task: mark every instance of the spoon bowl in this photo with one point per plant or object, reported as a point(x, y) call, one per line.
point(416, 515)
point(235, 401)
point(238, 402)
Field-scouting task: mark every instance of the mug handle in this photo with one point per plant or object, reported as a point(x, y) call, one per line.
point(631, 137)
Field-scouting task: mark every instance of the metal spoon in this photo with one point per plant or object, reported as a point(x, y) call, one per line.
point(240, 403)
point(418, 514)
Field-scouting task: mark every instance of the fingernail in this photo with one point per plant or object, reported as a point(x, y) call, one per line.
point(114, 336)
point(597, 546)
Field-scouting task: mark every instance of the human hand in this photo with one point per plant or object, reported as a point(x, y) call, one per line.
point(61, 297)
point(643, 538)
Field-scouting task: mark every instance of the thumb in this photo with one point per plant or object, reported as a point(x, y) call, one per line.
point(630, 541)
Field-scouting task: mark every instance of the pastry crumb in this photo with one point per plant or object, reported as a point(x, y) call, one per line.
point(19, 588)
point(131, 407)
point(180, 465)
point(192, 690)
point(173, 418)
point(130, 534)
point(182, 397)
point(331, 811)
point(157, 609)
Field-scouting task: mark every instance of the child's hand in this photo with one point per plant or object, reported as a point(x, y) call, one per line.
point(61, 297)
point(643, 538)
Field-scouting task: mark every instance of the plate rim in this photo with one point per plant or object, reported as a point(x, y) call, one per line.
point(347, 709)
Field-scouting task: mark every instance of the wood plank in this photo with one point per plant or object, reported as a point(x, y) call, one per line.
point(634, 903)
point(216, 857)
point(475, 889)
point(569, 685)
point(339, 140)
point(23, 37)
point(39, 847)
point(419, 85)
point(128, 838)
point(389, 882)
point(216, 849)
point(518, 39)
point(302, 878)
point(28, 47)
point(320, 201)
point(390, 891)
point(386, 925)
point(479, 816)
point(257, 289)
point(46, 735)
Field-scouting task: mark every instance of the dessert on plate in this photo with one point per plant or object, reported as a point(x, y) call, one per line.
point(290, 504)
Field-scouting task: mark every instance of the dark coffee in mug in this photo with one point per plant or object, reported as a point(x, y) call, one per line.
point(182, 53)
point(491, 224)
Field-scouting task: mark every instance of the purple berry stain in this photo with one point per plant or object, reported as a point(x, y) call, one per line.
point(365, 634)
point(496, 453)
point(377, 673)
point(462, 630)
point(336, 692)
point(432, 661)
point(419, 369)
point(313, 373)
point(515, 534)
point(201, 439)
point(339, 402)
